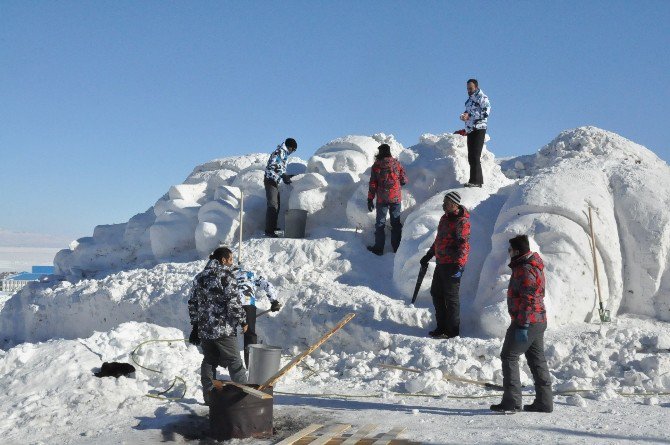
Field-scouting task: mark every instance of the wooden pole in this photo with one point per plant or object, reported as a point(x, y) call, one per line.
point(445, 376)
point(595, 265)
point(297, 359)
point(239, 247)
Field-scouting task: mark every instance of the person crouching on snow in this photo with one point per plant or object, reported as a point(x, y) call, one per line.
point(525, 335)
point(386, 179)
point(451, 249)
point(248, 281)
point(216, 311)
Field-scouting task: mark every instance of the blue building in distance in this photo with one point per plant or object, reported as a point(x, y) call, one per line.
point(16, 282)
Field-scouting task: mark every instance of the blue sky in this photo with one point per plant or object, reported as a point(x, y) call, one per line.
point(106, 104)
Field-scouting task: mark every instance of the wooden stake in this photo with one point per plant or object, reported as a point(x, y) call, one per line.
point(272, 380)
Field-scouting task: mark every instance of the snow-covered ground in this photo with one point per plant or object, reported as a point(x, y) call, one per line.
point(128, 284)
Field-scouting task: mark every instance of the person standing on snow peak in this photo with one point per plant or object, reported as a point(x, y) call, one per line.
point(475, 116)
point(525, 334)
point(247, 282)
point(386, 179)
point(451, 249)
point(215, 310)
point(275, 171)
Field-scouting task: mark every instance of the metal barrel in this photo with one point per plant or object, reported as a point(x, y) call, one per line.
point(264, 362)
point(234, 414)
point(295, 222)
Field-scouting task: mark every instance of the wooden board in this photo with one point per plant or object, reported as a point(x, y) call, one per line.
point(272, 380)
point(388, 437)
point(360, 434)
point(326, 437)
point(300, 434)
point(247, 389)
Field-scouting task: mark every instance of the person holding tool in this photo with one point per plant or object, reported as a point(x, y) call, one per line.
point(215, 310)
point(450, 249)
point(275, 171)
point(247, 282)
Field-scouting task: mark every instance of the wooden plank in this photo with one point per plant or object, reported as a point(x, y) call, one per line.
point(360, 434)
point(272, 380)
point(247, 389)
point(326, 437)
point(388, 437)
point(300, 434)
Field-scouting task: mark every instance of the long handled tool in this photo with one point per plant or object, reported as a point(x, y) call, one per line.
point(602, 312)
point(419, 280)
point(297, 359)
point(239, 247)
point(446, 377)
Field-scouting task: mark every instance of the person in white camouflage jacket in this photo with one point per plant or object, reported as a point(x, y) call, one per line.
point(248, 282)
point(475, 116)
point(275, 171)
point(216, 311)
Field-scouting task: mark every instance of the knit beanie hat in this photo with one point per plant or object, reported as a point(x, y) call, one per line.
point(520, 243)
point(454, 196)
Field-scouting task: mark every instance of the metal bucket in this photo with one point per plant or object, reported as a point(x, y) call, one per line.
point(234, 414)
point(295, 222)
point(264, 362)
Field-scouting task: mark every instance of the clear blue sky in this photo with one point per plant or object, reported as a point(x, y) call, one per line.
point(105, 104)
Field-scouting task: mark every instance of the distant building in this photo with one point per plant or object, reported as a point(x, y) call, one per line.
point(15, 282)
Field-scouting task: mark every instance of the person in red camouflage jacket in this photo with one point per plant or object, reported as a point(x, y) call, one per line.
point(386, 179)
point(525, 335)
point(451, 249)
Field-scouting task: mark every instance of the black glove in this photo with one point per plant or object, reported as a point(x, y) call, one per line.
point(193, 338)
point(286, 178)
point(275, 306)
point(426, 258)
point(371, 205)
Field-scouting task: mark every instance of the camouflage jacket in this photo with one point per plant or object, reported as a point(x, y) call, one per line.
point(247, 283)
point(479, 108)
point(386, 178)
point(452, 242)
point(525, 294)
point(214, 305)
point(277, 164)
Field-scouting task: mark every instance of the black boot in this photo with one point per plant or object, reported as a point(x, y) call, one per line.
point(376, 251)
point(537, 408)
point(505, 408)
point(271, 234)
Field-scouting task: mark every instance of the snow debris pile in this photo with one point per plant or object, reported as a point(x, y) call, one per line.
point(130, 282)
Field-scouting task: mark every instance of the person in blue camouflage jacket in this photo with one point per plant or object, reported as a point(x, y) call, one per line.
point(216, 311)
point(247, 282)
point(475, 116)
point(275, 171)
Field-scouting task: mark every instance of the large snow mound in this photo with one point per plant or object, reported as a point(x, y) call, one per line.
point(546, 196)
